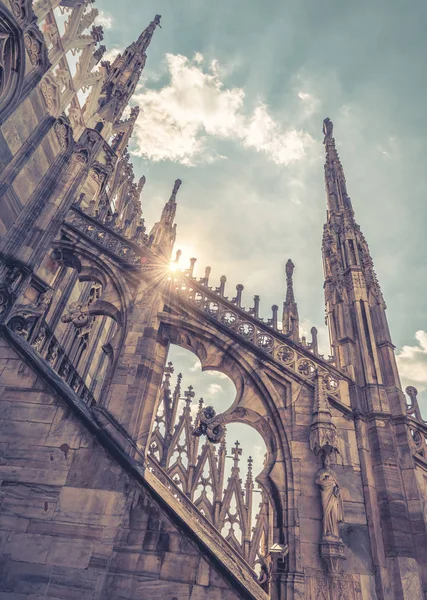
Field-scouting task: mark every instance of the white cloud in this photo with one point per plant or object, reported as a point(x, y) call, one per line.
point(217, 374)
point(412, 362)
point(112, 54)
point(104, 19)
point(178, 121)
point(309, 102)
point(215, 388)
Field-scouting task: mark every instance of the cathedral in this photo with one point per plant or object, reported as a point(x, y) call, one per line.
point(113, 483)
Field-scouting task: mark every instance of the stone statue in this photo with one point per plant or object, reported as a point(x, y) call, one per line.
point(332, 504)
point(328, 129)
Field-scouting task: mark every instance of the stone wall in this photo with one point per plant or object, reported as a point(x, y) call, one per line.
point(73, 524)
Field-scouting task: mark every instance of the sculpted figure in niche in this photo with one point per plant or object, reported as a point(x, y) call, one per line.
point(332, 504)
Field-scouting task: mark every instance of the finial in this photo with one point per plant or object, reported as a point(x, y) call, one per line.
point(238, 299)
point(314, 344)
point(177, 390)
point(190, 270)
point(328, 129)
point(141, 184)
point(289, 269)
point(205, 280)
point(167, 376)
point(290, 319)
point(274, 311)
point(412, 408)
point(134, 112)
point(255, 309)
point(169, 369)
point(189, 395)
point(249, 473)
point(177, 256)
point(176, 187)
point(222, 281)
point(236, 452)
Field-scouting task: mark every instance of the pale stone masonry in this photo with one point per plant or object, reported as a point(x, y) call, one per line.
point(109, 488)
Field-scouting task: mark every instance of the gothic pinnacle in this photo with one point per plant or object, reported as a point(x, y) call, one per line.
point(146, 36)
point(334, 174)
point(323, 435)
point(289, 281)
point(290, 320)
point(123, 76)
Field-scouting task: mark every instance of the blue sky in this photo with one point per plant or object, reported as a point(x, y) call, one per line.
point(233, 98)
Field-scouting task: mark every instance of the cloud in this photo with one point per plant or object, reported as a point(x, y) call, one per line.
point(196, 367)
point(104, 19)
point(309, 102)
point(112, 54)
point(412, 362)
point(217, 374)
point(179, 121)
point(215, 388)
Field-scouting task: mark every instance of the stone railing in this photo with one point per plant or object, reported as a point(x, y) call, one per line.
point(264, 335)
point(41, 338)
point(154, 474)
point(105, 236)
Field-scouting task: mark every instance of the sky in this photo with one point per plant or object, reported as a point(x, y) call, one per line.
point(232, 102)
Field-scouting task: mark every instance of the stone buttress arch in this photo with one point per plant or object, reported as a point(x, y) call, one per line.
point(225, 356)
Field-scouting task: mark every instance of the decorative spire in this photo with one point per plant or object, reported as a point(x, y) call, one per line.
point(290, 320)
point(236, 452)
point(336, 188)
point(177, 390)
point(163, 234)
point(350, 278)
point(140, 187)
point(323, 435)
point(144, 39)
point(189, 395)
point(249, 475)
point(169, 210)
point(123, 76)
point(169, 369)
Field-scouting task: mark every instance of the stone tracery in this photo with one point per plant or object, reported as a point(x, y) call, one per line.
point(198, 468)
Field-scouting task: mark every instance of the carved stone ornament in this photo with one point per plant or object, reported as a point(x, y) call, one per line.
point(323, 434)
point(50, 94)
point(61, 131)
point(23, 317)
point(332, 553)
point(333, 586)
point(75, 117)
point(208, 423)
point(22, 11)
point(78, 314)
point(34, 48)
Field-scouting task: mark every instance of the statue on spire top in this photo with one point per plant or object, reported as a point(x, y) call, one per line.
point(328, 129)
